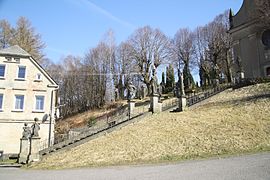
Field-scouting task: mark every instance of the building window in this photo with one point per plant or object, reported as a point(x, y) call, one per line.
point(1, 102)
point(39, 103)
point(8, 58)
point(38, 77)
point(19, 102)
point(17, 59)
point(2, 71)
point(21, 72)
point(266, 38)
point(268, 71)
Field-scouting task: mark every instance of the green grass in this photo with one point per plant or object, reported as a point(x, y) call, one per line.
point(8, 161)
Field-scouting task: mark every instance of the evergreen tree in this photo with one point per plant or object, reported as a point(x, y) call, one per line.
point(23, 35)
point(170, 78)
point(188, 79)
point(162, 84)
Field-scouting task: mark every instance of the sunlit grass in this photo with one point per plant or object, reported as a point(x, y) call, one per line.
point(232, 122)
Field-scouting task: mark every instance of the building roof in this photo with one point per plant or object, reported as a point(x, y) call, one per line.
point(18, 51)
point(14, 51)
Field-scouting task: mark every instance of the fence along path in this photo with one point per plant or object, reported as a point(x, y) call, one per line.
point(121, 117)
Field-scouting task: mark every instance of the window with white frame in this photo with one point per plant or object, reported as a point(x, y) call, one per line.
point(39, 103)
point(21, 72)
point(19, 102)
point(2, 70)
point(1, 102)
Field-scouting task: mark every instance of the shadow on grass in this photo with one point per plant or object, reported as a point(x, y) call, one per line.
point(238, 101)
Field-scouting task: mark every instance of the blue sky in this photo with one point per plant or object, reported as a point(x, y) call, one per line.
point(74, 26)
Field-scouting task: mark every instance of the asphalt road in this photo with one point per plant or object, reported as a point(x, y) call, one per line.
point(251, 167)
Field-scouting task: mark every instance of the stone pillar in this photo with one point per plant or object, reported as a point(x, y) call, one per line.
point(131, 107)
point(34, 149)
point(155, 106)
point(142, 92)
point(24, 151)
point(182, 103)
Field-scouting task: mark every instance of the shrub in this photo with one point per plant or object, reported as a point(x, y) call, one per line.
point(91, 121)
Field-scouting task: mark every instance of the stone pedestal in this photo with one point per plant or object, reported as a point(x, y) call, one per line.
point(131, 107)
point(155, 105)
point(182, 103)
point(34, 150)
point(143, 92)
point(24, 151)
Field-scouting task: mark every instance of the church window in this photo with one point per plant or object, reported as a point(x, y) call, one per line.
point(266, 38)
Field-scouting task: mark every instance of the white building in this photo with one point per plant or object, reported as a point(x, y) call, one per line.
point(26, 92)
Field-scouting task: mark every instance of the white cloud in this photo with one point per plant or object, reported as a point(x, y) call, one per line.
point(106, 13)
point(58, 51)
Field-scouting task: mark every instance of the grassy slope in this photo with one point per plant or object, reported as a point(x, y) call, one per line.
point(231, 122)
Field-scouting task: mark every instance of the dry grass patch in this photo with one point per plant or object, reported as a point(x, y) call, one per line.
point(231, 122)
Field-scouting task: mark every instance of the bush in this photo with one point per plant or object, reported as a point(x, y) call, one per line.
point(91, 121)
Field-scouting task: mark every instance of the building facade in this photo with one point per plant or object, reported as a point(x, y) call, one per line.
point(26, 92)
point(251, 42)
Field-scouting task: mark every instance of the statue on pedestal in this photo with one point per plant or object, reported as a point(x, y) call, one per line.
point(181, 83)
point(26, 131)
point(154, 82)
point(35, 128)
point(131, 90)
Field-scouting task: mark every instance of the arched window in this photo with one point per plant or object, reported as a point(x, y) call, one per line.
point(268, 71)
point(266, 38)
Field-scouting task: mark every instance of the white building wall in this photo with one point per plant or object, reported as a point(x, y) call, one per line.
point(12, 121)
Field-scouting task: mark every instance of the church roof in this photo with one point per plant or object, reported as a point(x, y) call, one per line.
point(14, 51)
point(244, 15)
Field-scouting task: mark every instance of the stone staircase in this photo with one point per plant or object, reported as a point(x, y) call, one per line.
point(124, 120)
point(87, 136)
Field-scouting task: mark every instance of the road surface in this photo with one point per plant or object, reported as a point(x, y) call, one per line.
point(250, 167)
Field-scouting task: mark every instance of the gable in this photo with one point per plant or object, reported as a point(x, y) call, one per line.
point(18, 53)
point(244, 15)
point(42, 70)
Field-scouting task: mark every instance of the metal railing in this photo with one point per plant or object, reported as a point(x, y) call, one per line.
point(120, 116)
point(200, 96)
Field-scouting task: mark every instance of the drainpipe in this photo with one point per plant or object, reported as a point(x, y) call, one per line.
point(50, 125)
point(51, 115)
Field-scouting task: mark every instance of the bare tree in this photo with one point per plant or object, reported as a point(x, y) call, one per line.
point(149, 47)
point(6, 32)
point(109, 57)
point(213, 50)
point(262, 11)
point(125, 66)
point(201, 55)
point(184, 49)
